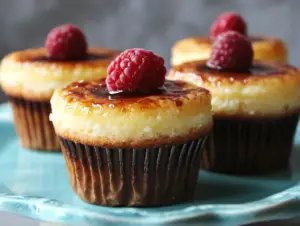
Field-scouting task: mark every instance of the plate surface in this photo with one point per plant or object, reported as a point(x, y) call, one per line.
point(36, 185)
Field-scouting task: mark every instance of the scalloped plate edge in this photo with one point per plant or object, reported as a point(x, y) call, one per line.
point(43, 208)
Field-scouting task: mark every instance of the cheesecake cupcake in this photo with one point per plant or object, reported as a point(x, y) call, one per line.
point(255, 105)
point(133, 139)
point(29, 78)
point(266, 48)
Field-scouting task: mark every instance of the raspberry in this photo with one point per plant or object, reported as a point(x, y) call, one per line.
point(135, 70)
point(66, 42)
point(231, 52)
point(228, 22)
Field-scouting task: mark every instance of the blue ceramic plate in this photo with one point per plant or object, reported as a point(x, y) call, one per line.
point(36, 185)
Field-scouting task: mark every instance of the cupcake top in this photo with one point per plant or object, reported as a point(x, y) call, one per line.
point(267, 89)
point(198, 48)
point(195, 48)
point(124, 113)
point(35, 73)
point(239, 86)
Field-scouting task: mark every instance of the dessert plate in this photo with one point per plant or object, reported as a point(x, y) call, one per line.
point(35, 185)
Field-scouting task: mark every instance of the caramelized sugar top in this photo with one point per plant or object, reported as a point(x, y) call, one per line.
point(95, 93)
point(89, 57)
point(95, 58)
point(259, 70)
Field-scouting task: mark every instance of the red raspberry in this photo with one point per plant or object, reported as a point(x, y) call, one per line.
point(135, 70)
point(66, 42)
point(232, 52)
point(228, 22)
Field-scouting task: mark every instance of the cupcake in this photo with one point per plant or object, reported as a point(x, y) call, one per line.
point(133, 139)
point(30, 77)
point(255, 105)
point(265, 48)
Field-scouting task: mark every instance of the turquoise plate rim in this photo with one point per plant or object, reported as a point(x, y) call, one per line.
point(52, 210)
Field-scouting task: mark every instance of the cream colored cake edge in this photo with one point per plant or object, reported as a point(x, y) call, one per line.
point(36, 81)
point(137, 127)
point(272, 96)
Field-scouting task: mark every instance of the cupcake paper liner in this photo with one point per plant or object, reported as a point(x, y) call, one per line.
point(133, 177)
point(239, 146)
point(33, 126)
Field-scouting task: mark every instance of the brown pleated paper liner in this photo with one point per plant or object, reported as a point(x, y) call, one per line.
point(239, 146)
point(133, 177)
point(33, 126)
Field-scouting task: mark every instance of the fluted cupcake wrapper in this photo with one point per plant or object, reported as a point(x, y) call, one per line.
point(33, 126)
point(239, 146)
point(133, 177)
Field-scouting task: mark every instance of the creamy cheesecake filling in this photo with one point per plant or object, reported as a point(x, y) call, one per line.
point(31, 75)
point(86, 113)
point(267, 90)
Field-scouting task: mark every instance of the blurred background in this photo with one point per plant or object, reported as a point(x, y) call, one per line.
point(152, 24)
